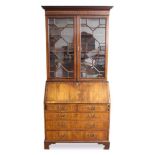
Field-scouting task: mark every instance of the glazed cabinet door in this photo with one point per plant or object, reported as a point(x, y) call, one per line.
point(92, 48)
point(61, 48)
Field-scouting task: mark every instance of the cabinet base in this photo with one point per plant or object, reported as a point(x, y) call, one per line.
point(48, 143)
point(106, 145)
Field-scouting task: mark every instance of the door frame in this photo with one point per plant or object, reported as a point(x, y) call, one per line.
point(79, 47)
point(49, 78)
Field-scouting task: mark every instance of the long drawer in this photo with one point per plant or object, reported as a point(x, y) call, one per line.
point(77, 107)
point(92, 107)
point(76, 125)
point(76, 135)
point(76, 116)
point(61, 107)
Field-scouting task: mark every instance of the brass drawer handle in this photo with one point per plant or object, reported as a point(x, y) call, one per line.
point(92, 135)
point(61, 115)
point(90, 125)
point(91, 108)
point(62, 124)
point(61, 135)
point(61, 108)
point(91, 115)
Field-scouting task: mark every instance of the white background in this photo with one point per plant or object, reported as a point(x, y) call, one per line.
point(131, 76)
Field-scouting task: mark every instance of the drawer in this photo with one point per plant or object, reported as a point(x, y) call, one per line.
point(76, 125)
point(61, 107)
point(92, 108)
point(76, 135)
point(76, 116)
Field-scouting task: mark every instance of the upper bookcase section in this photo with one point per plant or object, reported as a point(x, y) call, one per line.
point(77, 10)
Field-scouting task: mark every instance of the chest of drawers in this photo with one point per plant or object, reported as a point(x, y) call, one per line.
point(71, 118)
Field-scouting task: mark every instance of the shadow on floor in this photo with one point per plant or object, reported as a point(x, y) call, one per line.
point(83, 146)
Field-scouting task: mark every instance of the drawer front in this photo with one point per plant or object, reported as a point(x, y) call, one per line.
point(76, 135)
point(92, 108)
point(61, 107)
point(77, 107)
point(76, 116)
point(76, 125)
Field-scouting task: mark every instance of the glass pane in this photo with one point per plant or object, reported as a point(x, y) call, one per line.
point(61, 47)
point(93, 47)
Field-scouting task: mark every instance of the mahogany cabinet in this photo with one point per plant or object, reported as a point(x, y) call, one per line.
point(77, 99)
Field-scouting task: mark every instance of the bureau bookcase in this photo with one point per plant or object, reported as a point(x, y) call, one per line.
point(77, 99)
